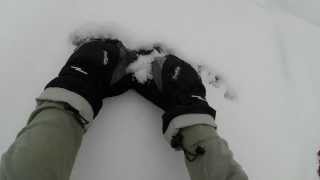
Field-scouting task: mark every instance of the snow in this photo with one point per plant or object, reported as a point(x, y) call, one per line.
point(267, 58)
point(141, 68)
point(106, 30)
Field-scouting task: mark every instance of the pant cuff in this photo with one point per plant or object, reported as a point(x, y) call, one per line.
point(187, 120)
point(76, 101)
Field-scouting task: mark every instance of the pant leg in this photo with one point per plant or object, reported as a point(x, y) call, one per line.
point(217, 163)
point(46, 148)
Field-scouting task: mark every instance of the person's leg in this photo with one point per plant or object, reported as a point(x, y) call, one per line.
point(46, 148)
point(217, 162)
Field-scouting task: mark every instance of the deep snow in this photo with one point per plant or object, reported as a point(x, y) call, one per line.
point(268, 57)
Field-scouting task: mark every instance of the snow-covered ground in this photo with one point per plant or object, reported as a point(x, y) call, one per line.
point(266, 52)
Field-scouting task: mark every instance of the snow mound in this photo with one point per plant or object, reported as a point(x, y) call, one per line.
point(93, 31)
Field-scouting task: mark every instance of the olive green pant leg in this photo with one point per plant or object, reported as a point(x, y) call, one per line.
point(217, 163)
point(46, 148)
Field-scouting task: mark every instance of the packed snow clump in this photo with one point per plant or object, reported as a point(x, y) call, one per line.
point(141, 68)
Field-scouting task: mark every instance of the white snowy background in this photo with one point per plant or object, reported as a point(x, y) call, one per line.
point(267, 50)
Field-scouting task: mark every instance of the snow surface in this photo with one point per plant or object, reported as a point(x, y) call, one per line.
point(268, 57)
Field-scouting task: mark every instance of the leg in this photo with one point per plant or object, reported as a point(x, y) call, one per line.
point(46, 148)
point(217, 161)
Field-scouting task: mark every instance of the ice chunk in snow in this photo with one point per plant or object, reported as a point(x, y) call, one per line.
point(141, 68)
